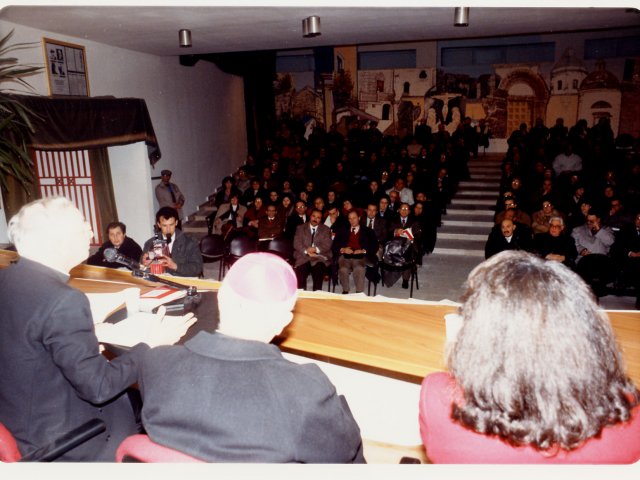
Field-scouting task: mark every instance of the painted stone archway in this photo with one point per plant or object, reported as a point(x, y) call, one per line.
point(523, 94)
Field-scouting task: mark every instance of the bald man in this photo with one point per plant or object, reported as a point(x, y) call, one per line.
point(230, 396)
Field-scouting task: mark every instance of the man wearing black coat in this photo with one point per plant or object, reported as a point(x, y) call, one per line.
point(117, 233)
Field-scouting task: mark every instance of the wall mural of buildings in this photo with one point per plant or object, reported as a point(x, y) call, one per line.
point(399, 99)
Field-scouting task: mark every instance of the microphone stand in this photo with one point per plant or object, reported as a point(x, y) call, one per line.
point(190, 301)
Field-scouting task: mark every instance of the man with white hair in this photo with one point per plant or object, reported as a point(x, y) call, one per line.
point(230, 396)
point(53, 377)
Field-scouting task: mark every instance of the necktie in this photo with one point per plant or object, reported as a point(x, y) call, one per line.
point(369, 223)
point(173, 195)
point(353, 230)
point(313, 234)
point(404, 222)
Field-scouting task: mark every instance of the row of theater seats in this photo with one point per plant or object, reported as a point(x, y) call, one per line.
point(214, 248)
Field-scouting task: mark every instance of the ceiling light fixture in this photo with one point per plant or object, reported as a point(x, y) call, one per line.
point(461, 17)
point(311, 26)
point(185, 37)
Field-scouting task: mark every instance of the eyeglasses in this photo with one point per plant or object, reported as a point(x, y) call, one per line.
point(404, 208)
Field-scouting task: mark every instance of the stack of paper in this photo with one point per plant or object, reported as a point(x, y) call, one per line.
point(159, 296)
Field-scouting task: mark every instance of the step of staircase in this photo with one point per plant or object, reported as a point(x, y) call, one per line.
point(467, 194)
point(476, 204)
point(459, 252)
point(486, 176)
point(488, 224)
point(481, 185)
point(202, 214)
point(196, 226)
point(460, 213)
point(471, 204)
point(479, 237)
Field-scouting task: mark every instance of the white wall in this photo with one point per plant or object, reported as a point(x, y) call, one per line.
point(128, 190)
point(197, 113)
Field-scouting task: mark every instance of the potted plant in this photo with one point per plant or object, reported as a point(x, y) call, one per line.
point(14, 116)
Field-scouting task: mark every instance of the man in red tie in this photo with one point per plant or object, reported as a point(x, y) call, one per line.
point(271, 225)
point(354, 246)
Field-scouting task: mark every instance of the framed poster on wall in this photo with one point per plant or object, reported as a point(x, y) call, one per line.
point(66, 68)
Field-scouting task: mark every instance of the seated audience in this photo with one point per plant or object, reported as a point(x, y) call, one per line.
point(255, 211)
point(404, 193)
point(353, 247)
point(270, 225)
point(117, 233)
point(556, 244)
point(593, 242)
point(230, 396)
point(230, 216)
point(225, 191)
point(250, 194)
point(535, 375)
point(297, 217)
point(617, 216)
point(520, 215)
point(540, 218)
point(407, 225)
point(383, 208)
point(184, 259)
point(312, 251)
point(508, 235)
point(335, 220)
point(378, 224)
point(626, 252)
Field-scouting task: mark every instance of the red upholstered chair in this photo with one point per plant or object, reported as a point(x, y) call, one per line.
point(8, 447)
point(140, 448)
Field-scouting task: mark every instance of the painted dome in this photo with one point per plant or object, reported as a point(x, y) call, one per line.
point(569, 61)
point(600, 78)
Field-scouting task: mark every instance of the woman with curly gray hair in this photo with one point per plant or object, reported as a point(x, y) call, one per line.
point(535, 374)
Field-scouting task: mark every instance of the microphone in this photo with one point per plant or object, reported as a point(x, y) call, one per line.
point(112, 255)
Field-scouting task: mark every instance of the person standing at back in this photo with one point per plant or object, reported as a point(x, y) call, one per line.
point(168, 194)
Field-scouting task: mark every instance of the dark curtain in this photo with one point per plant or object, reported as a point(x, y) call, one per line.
point(15, 196)
point(258, 70)
point(78, 123)
point(105, 199)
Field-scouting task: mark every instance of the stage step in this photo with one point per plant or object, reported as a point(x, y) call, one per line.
point(459, 252)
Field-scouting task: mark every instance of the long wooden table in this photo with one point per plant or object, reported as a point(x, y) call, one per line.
point(401, 340)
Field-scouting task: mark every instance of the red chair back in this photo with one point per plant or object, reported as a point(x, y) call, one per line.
point(140, 448)
point(8, 447)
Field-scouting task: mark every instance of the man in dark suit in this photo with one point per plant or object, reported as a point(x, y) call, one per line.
point(406, 225)
point(53, 378)
point(354, 247)
point(556, 244)
point(297, 217)
point(508, 235)
point(312, 251)
point(184, 258)
point(230, 396)
point(378, 224)
point(117, 233)
point(252, 192)
point(626, 251)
